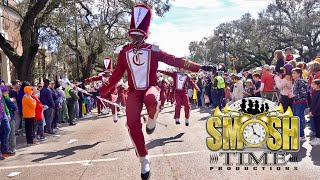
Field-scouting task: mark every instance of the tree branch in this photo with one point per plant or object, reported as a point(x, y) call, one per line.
point(9, 50)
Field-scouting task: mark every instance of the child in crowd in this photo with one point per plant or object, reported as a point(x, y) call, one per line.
point(257, 84)
point(38, 119)
point(315, 110)
point(227, 93)
point(299, 98)
point(248, 90)
point(28, 113)
point(237, 92)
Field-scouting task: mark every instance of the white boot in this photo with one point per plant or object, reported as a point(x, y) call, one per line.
point(187, 122)
point(151, 124)
point(177, 121)
point(115, 118)
point(145, 167)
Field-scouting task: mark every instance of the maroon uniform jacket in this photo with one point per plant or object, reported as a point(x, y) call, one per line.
point(180, 81)
point(142, 66)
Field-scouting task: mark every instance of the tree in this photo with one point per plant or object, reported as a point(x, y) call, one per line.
point(90, 32)
point(33, 16)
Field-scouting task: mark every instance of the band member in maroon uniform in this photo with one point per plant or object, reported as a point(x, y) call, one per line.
point(180, 80)
point(121, 94)
point(170, 92)
point(163, 86)
point(112, 94)
point(140, 60)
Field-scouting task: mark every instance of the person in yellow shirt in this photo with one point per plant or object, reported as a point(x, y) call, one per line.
point(28, 113)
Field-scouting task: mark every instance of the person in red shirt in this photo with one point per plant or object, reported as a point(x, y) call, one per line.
point(38, 119)
point(180, 80)
point(288, 53)
point(140, 60)
point(267, 83)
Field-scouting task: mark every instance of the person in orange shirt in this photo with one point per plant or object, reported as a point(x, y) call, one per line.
point(28, 113)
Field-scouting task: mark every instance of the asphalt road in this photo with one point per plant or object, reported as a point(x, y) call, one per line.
point(103, 150)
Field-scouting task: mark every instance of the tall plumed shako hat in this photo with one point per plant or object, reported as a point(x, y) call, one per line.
point(140, 20)
point(107, 62)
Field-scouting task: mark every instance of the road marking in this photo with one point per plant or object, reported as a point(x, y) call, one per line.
point(87, 162)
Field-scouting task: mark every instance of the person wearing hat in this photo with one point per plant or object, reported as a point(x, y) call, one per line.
point(288, 54)
point(285, 85)
point(267, 83)
point(140, 60)
point(248, 90)
point(112, 95)
point(180, 81)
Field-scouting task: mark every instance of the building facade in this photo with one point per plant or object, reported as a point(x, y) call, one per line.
point(9, 28)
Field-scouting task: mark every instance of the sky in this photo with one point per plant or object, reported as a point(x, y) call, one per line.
point(192, 20)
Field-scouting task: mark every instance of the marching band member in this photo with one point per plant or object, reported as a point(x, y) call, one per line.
point(140, 60)
point(170, 92)
point(180, 80)
point(163, 86)
point(112, 94)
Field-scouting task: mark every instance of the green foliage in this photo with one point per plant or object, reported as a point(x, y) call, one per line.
point(284, 23)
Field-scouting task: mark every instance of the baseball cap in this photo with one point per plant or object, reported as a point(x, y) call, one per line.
point(258, 69)
point(266, 66)
point(8, 84)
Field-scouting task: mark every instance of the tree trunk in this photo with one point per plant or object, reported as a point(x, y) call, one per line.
point(86, 70)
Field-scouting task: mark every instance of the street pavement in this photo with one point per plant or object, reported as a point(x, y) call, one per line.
point(100, 149)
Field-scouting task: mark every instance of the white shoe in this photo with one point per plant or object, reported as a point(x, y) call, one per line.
point(145, 167)
point(177, 121)
point(145, 164)
point(151, 124)
point(115, 118)
point(187, 122)
point(315, 142)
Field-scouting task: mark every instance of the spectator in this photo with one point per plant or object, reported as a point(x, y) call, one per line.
point(248, 90)
point(56, 115)
point(13, 94)
point(288, 54)
point(46, 98)
point(305, 73)
point(279, 57)
point(257, 84)
point(314, 73)
point(12, 109)
point(39, 117)
point(293, 63)
point(267, 83)
point(19, 101)
point(237, 92)
point(299, 98)
point(28, 113)
point(314, 111)
point(285, 86)
point(64, 109)
point(5, 128)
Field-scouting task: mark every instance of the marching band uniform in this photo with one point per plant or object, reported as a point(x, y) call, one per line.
point(140, 60)
point(163, 86)
point(170, 93)
point(112, 94)
point(180, 81)
point(121, 95)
